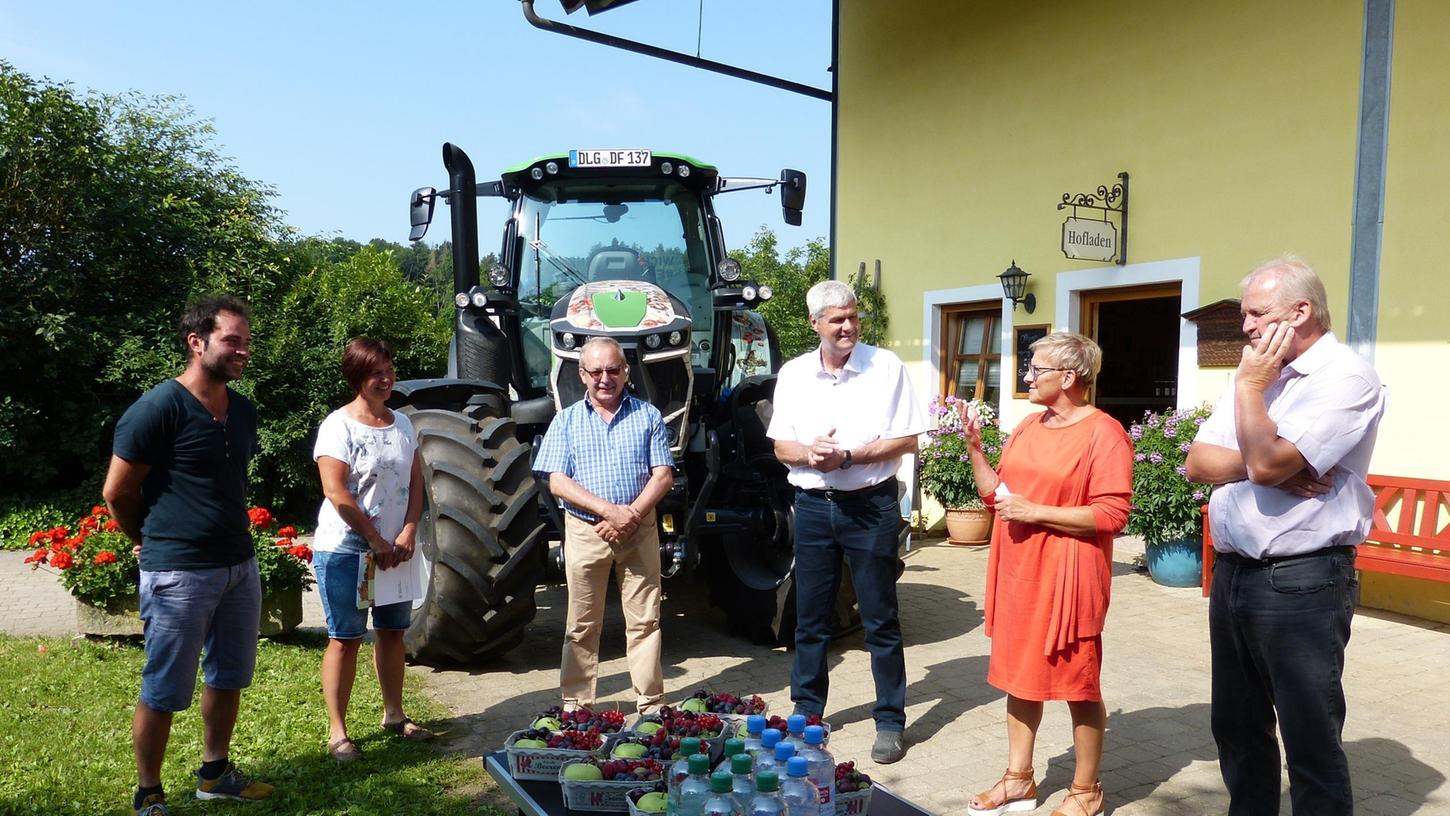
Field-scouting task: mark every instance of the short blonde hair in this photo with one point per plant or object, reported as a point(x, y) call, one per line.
point(1072, 351)
point(1297, 281)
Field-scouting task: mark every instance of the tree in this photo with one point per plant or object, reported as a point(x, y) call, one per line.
point(113, 210)
point(790, 277)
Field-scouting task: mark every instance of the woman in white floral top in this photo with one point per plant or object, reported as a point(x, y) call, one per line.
point(372, 478)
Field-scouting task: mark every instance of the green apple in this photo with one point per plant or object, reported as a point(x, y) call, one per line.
point(629, 750)
point(548, 724)
point(647, 727)
point(582, 771)
point(653, 802)
point(530, 743)
point(696, 705)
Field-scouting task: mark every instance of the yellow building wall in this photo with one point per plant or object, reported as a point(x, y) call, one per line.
point(960, 126)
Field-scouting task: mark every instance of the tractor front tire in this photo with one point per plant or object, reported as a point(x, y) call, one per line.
point(481, 535)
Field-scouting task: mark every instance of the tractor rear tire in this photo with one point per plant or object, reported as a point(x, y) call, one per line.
point(481, 535)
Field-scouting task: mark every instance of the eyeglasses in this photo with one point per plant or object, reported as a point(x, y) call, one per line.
point(596, 374)
point(1037, 371)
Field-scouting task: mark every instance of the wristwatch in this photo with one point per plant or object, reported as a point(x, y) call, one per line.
point(845, 463)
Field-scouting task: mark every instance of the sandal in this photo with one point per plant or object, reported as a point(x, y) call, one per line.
point(1083, 808)
point(344, 751)
point(998, 806)
point(409, 730)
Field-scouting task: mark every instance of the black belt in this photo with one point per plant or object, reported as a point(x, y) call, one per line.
point(835, 494)
point(1245, 561)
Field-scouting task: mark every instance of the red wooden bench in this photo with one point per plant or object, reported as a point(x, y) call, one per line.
point(1406, 537)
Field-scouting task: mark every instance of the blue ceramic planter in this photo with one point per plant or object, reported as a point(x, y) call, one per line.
point(1176, 563)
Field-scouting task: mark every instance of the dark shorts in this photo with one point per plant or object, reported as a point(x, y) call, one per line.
point(337, 585)
point(208, 613)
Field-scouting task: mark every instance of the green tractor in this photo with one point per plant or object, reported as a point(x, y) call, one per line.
point(617, 243)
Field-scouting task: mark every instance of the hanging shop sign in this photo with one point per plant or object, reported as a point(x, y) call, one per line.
point(1097, 239)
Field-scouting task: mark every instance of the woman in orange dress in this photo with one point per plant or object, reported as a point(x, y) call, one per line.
point(1061, 493)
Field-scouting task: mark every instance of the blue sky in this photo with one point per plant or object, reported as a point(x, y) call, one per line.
point(342, 107)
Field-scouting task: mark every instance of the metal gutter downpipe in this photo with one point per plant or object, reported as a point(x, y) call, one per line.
point(673, 56)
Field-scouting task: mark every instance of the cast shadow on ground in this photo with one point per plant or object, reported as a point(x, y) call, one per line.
point(954, 687)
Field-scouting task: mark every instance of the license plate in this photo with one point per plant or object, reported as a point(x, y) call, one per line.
point(609, 158)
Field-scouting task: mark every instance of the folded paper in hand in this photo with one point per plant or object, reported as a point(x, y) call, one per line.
point(380, 587)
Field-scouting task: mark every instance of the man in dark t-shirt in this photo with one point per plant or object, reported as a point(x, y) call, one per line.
point(177, 488)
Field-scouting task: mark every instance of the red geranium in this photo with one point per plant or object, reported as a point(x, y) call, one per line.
point(100, 510)
point(287, 532)
point(104, 557)
point(37, 557)
point(39, 536)
point(260, 517)
point(61, 559)
point(302, 552)
point(112, 526)
point(59, 533)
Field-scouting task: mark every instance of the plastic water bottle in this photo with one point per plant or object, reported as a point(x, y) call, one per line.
point(795, 728)
point(721, 801)
point(696, 787)
point(798, 791)
point(765, 754)
point(767, 801)
point(821, 768)
point(679, 770)
point(742, 781)
point(733, 746)
point(776, 762)
point(754, 727)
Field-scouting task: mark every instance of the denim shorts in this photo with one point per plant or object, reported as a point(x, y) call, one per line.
point(208, 613)
point(337, 585)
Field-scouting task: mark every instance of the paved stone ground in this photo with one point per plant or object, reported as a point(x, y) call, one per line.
point(1160, 757)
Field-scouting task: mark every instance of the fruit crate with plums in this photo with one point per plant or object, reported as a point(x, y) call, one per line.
point(728, 707)
point(556, 736)
point(654, 805)
point(604, 784)
point(678, 723)
point(853, 790)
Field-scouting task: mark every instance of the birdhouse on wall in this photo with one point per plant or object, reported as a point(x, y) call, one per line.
point(1220, 333)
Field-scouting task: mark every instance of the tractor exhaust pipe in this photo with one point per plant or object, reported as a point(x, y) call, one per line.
point(464, 206)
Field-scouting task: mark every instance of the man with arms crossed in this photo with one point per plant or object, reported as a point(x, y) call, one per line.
point(844, 414)
point(177, 488)
point(608, 459)
point(1288, 448)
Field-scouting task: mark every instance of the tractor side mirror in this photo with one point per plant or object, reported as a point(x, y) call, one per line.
point(792, 195)
point(420, 211)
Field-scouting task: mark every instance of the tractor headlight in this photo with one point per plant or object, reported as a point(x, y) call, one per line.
point(536, 173)
point(748, 293)
point(569, 340)
point(479, 298)
point(552, 168)
point(652, 341)
point(684, 171)
point(666, 168)
point(498, 275)
point(729, 270)
point(676, 337)
point(461, 300)
point(766, 293)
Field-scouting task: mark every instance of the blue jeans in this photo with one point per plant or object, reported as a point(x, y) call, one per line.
point(337, 582)
point(1278, 630)
point(190, 612)
point(863, 527)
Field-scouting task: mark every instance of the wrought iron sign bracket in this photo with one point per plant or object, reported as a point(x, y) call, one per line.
point(1107, 199)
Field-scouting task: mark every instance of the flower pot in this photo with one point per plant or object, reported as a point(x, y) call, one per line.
point(281, 612)
point(122, 616)
point(1177, 562)
point(969, 526)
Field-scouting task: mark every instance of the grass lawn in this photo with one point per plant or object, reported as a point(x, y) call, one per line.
point(65, 738)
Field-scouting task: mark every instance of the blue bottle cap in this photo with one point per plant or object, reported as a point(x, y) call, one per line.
point(784, 751)
point(795, 723)
point(769, 737)
point(815, 735)
point(755, 723)
point(798, 766)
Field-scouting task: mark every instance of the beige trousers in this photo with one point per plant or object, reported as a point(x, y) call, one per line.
point(588, 561)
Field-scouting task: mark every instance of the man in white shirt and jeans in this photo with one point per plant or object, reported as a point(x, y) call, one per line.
point(844, 414)
point(1288, 448)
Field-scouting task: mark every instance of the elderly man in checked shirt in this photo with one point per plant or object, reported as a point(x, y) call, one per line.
point(607, 458)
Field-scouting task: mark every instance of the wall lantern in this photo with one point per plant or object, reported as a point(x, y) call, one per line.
point(1014, 284)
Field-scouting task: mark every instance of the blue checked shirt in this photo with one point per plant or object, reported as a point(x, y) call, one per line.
point(611, 460)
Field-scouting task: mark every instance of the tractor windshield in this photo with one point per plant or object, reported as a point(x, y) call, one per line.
point(572, 232)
